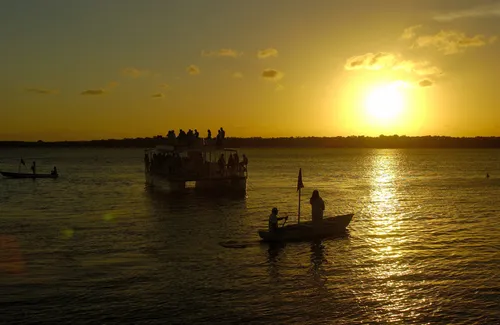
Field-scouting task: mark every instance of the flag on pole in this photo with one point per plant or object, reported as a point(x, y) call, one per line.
point(299, 181)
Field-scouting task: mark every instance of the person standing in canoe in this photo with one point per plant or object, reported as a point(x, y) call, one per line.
point(317, 208)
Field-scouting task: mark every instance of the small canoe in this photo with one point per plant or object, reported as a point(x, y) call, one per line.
point(331, 226)
point(28, 175)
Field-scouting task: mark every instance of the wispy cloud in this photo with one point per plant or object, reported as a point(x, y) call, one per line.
point(392, 61)
point(158, 95)
point(272, 74)
point(90, 92)
point(193, 70)
point(134, 72)
point(99, 91)
point(221, 53)
point(410, 32)
point(237, 75)
point(425, 83)
point(491, 10)
point(452, 42)
point(267, 53)
point(279, 88)
point(42, 91)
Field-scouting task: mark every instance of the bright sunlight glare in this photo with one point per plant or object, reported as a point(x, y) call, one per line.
point(386, 103)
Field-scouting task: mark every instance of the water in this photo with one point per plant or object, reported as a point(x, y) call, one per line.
point(94, 247)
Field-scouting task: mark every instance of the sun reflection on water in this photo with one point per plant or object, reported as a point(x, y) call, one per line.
point(389, 267)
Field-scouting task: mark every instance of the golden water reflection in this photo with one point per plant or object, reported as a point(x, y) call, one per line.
point(388, 267)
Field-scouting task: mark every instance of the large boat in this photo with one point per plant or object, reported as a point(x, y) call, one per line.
point(330, 226)
point(212, 168)
point(28, 175)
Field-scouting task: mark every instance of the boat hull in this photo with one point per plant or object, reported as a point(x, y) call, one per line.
point(27, 175)
point(305, 231)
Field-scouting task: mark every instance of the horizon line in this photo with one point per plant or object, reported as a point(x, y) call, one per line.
point(262, 138)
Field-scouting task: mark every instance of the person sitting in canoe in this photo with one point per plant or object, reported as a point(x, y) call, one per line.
point(273, 220)
point(54, 171)
point(317, 208)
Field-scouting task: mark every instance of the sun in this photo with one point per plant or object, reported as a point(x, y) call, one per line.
point(385, 103)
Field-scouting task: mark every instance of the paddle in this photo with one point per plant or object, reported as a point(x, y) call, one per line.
point(286, 219)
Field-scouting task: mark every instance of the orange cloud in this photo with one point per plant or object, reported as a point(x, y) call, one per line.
point(134, 72)
point(387, 60)
point(193, 70)
point(271, 74)
point(92, 92)
point(42, 91)
point(267, 53)
point(221, 53)
point(452, 42)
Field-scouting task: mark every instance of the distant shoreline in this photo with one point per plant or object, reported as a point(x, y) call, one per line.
point(284, 142)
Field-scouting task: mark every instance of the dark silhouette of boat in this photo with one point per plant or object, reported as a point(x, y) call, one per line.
point(28, 175)
point(305, 231)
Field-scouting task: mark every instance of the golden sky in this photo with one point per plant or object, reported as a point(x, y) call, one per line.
point(111, 69)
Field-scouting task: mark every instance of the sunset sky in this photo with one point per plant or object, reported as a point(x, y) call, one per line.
point(77, 70)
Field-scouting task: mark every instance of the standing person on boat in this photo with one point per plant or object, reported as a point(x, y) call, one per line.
point(273, 220)
point(222, 164)
point(317, 208)
point(33, 168)
point(244, 163)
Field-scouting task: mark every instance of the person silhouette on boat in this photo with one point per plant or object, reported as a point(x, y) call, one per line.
point(33, 168)
point(487, 175)
point(273, 220)
point(54, 171)
point(317, 208)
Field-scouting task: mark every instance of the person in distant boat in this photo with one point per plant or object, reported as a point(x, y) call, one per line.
point(244, 163)
point(33, 167)
point(487, 175)
point(317, 208)
point(222, 164)
point(273, 220)
point(54, 171)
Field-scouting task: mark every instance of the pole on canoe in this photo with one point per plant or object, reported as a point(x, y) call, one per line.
point(300, 185)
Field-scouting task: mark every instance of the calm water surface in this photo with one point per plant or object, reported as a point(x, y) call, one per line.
point(95, 247)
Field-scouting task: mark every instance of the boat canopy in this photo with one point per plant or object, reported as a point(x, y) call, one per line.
point(181, 149)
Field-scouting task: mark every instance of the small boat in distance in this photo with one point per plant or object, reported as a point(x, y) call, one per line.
point(28, 175)
point(331, 226)
point(33, 174)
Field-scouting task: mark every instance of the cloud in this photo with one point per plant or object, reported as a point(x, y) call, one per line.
point(267, 53)
point(237, 75)
point(279, 88)
point(134, 72)
point(451, 42)
point(491, 10)
point(89, 92)
point(221, 53)
point(271, 74)
point(392, 61)
point(158, 95)
point(409, 32)
point(42, 91)
point(425, 83)
point(100, 91)
point(193, 70)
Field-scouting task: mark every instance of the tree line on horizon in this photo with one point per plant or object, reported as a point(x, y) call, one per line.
point(382, 141)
